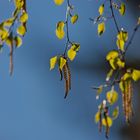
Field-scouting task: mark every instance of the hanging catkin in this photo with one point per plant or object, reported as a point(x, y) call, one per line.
point(66, 81)
point(69, 75)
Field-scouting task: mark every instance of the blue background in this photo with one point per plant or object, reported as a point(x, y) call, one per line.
point(31, 101)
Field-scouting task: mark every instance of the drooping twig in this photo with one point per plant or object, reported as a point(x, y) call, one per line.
point(132, 36)
point(67, 27)
point(114, 18)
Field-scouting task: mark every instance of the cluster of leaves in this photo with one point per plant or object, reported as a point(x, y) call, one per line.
point(119, 74)
point(14, 28)
point(71, 48)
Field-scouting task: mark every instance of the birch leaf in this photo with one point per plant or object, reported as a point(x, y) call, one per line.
point(136, 75)
point(53, 61)
point(109, 121)
point(101, 28)
point(101, 9)
point(122, 9)
point(58, 2)
point(74, 19)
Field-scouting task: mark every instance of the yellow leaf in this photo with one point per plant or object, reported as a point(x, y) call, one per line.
point(107, 122)
point(109, 74)
point(58, 2)
point(21, 30)
point(53, 61)
point(101, 28)
point(136, 75)
point(60, 25)
point(101, 9)
point(62, 62)
point(19, 3)
point(122, 9)
point(112, 96)
point(60, 30)
point(23, 17)
point(127, 76)
point(122, 86)
point(60, 34)
point(75, 47)
point(120, 63)
point(71, 54)
point(113, 64)
point(18, 41)
point(74, 19)
point(8, 22)
point(3, 33)
point(115, 113)
point(123, 35)
point(9, 41)
point(97, 117)
point(73, 51)
point(112, 55)
point(120, 44)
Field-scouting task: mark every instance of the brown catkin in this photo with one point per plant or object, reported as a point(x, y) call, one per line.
point(123, 103)
point(61, 74)
point(100, 122)
point(130, 99)
point(127, 100)
point(107, 126)
point(66, 81)
point(69, 75)
point(11, 60)
point(24, 9)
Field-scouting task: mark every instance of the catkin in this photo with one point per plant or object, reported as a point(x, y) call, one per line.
point(66, 81)
point(127, 100)
point(69, 75)
point(61, 74)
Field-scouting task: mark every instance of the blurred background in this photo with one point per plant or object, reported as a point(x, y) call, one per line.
point(32, 106)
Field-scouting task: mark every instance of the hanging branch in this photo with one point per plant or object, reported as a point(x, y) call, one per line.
point(71, 48)
point(11, 36)
point(118, 74)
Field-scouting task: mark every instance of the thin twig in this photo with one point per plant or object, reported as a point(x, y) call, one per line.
point(132, 37)
point(67, 27)
point(114, 18)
